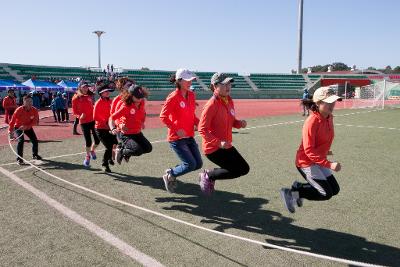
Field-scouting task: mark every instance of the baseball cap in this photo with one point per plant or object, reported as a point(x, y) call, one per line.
point(136, 91)
point(103, 86)
point(184, 74)
point(325, 94)
point(221, 78)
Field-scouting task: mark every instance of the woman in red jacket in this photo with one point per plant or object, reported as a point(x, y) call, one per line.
point(9, 105)
point(215, 127)
point(22, 122)
point(101, 114)
point(311, 157)
point(82, 107)
point(178, 114)
point(131, 116)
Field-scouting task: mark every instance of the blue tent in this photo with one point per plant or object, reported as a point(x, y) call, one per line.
point(8, 84)
point(42, 85)
point(68, 85)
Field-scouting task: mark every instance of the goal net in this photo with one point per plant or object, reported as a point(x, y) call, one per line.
point(378, 95)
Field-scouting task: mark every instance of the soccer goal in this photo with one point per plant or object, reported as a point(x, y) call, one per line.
point(378, 95)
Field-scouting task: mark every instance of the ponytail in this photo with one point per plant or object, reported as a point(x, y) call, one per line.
point(173, 80)
point(309, 104)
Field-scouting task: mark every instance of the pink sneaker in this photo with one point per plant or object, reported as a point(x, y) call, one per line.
point(206, 184)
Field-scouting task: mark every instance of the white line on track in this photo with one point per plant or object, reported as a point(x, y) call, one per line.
point(106, 236)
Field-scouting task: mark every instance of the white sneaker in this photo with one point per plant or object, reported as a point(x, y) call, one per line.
point(298, 201)
point(169, 181)
point(287, 199)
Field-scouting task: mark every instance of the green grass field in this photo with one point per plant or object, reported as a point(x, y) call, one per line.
point(360, 224)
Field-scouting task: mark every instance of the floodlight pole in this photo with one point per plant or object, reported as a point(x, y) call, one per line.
point(99, 33)
point(300, 37)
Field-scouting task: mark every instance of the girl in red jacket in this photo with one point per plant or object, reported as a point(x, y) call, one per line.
point(178, 114)
point(215, 127)
point(82, 107)
point(22, 122)
point(9, 105)
point(101, 114)
point(131, 116)
point(311, 157)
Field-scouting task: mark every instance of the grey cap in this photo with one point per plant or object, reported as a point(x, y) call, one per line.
point(221, 78)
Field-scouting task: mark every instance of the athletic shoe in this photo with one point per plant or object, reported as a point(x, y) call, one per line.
point(86, 162)
point(206, 184)
point(37, 157)
point(126, 158)
point(111, 162)
point(93, 155)
point(118, 155)
point(169, 181)
point(287, 198)
point(106, 168)
point(20, 162)
point(298, 201)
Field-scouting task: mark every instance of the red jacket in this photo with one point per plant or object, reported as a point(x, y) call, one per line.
point(23, 117)
point(9, 103)
point(83, 105)
point(115, 105)
point(318, 134)
point(179, 113)
point(101, 113)
point(132, 116)
point(216, 123)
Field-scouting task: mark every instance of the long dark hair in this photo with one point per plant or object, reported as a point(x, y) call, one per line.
point(309, 104)
point(173, 80)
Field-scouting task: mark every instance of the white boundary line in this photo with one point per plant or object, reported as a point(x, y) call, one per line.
point(301, 252)
point(164, 140)
point(107, 237)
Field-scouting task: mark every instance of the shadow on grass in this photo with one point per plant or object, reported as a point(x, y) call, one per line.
point(227, 210)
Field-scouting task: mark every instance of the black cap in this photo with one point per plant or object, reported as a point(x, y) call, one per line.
point(104, 85)
point(136, 91)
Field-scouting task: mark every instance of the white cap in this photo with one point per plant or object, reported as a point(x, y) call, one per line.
point(184, 74)
point(325, 94)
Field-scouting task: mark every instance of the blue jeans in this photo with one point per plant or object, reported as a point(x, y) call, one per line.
point(188, 152)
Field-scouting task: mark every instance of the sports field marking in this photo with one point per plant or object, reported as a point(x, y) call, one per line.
point(92, 227)
point(301, 252)
point(368, 126)
point(164, 140)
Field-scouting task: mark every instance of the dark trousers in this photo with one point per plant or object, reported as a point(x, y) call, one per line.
point(32, 136)
point(329, 185)
point(135, 145)
point(87, 130)
point(55, 115)
point(65, 115)
point(108, 140)
point(232, 164)
point(76, 123)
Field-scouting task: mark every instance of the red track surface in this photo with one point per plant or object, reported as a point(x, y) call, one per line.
point(49, 130)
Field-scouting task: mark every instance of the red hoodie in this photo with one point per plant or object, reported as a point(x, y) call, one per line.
point(83, 105)
point(216, 123)
point(179, 113)
point(318, 134)
point(9, 103)
point(101, 113)
point(115, 105)
point(23, 117)
point(132, 116)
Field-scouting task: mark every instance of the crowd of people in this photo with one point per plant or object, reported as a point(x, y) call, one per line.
point(118, 124)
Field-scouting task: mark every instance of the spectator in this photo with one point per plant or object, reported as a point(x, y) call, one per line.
point(60, 105)
point(66, 114)
point(53, 107)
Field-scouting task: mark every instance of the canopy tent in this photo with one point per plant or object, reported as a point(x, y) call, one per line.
point(8, 84)
point(42, 85)
point(68, 85)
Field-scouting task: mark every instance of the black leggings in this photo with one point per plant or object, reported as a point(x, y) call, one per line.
point(32, 136)
point(87, 129)
point(108, 140)
point(135, 145)
point(232, 164)
point(76, 123)
point(307, 191)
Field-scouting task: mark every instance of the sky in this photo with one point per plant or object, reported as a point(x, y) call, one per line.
point(253, 36)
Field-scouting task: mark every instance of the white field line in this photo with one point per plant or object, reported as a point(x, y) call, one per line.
point(106, 236)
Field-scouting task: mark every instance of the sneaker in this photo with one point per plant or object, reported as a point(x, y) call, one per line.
point(106, 168)
point(37, 157)
point(298, 201)
point(118, 155)
point(86, 162)
point(111, 162)
point(169, 181)
point(287, 198)
point(206, 184)
point(93, 155)
point(20, 162)
point(126, 158)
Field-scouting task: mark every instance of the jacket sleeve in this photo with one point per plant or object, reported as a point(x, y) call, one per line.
point(118, 114)
point(166, 110)
point(97, 111)
point(309, 133)
point(13, 120)
point(236, 123)
point(75, 108)
point(205, 124)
